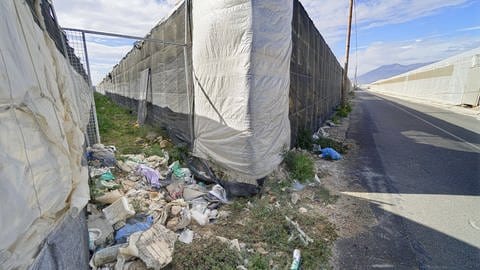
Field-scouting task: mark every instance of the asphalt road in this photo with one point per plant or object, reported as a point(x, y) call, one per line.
point(421, 167)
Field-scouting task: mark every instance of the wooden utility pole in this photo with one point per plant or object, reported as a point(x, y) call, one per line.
point(347, 54)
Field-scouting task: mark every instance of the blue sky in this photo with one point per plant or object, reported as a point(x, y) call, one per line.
point(388, 31)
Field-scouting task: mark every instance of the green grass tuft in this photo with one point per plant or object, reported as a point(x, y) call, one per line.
point(117, 126)
point(300, 166)
point(304, 139)
point(205, 254)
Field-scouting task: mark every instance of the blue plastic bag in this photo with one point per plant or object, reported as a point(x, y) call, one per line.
point(330, 153)
point(127, 230)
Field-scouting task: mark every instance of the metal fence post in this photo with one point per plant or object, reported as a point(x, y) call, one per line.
point(94, 110)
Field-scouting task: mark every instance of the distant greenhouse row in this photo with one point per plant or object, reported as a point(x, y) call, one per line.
point(255, 75)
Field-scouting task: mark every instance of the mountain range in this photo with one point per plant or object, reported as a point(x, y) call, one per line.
point(387, 71)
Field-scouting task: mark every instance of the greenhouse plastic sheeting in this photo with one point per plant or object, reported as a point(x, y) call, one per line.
point(168, 98)
point(44, 112)
point(454, 81)
point(241, 72)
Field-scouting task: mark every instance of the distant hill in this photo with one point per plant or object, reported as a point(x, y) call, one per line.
point(387, 71)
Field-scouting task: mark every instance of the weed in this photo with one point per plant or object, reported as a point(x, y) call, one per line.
point(327, 142)
point(300, 166)
point(237, 205)
point(178, 153)
point(117, 126)
point(343, 111)
point(205, 254)
point(258, 262)
point(304, 139)
point(153, 150)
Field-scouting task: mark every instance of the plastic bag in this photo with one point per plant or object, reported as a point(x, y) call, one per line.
point(127, 230)
point(330, 153)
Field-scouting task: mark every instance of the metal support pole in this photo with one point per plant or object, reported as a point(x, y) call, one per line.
point(187, 78)
point(97, 132)
point(347, 53)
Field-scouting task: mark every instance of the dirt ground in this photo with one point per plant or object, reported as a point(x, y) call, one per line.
point(261, 232)
point(350, 215)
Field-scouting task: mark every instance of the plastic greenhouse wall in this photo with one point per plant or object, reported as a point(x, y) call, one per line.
point(44, 173)
point(315, 76)
point(167, 97)
point(453, 81)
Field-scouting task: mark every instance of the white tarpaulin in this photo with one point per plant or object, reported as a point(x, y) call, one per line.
point(241, 72)
point(43, 113)
point(455, 81)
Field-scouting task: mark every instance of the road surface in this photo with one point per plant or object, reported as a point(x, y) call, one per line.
point(421, 167)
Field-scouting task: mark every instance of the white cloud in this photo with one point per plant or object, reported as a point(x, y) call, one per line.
point(103, 58)
point(411, 52)
point(129, 17)
point(137, 17)
point(473, 28)
point(330, 16)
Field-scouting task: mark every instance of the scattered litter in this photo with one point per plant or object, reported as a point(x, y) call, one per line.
point(180, 174)
point(134, 265)
point(173, 218)
point(296, 260)
point(294, 198)
point(316, 149)
point(94, 172)
point(102, 184)
point(150, 174)
point(107, 176)
point(101, 156)
point(200, 212)
point(219, 193)
point(100, 232)
point(297, 186)
point(302, 210)
point(175, 190)
point(192, 192)
point(317, 179)
point(146, 240)
point(105, 255)
point(109, 197)
point(301, 234)
point(238, 189)
point(330, 153)
point(186, 236)
point(93, 235)
point(155, 246)
point(330, 123)
point(118, 211)
point(164, 144)
point(127, 230)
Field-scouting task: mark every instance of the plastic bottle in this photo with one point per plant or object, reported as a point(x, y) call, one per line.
point(296, 260)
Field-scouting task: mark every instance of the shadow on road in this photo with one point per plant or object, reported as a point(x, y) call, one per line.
point(423, 186)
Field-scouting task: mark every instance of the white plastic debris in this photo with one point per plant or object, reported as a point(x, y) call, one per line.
point(120, 210)
point(186, 236)
point(219, 193)
point(155, 246)
point(110, 197)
